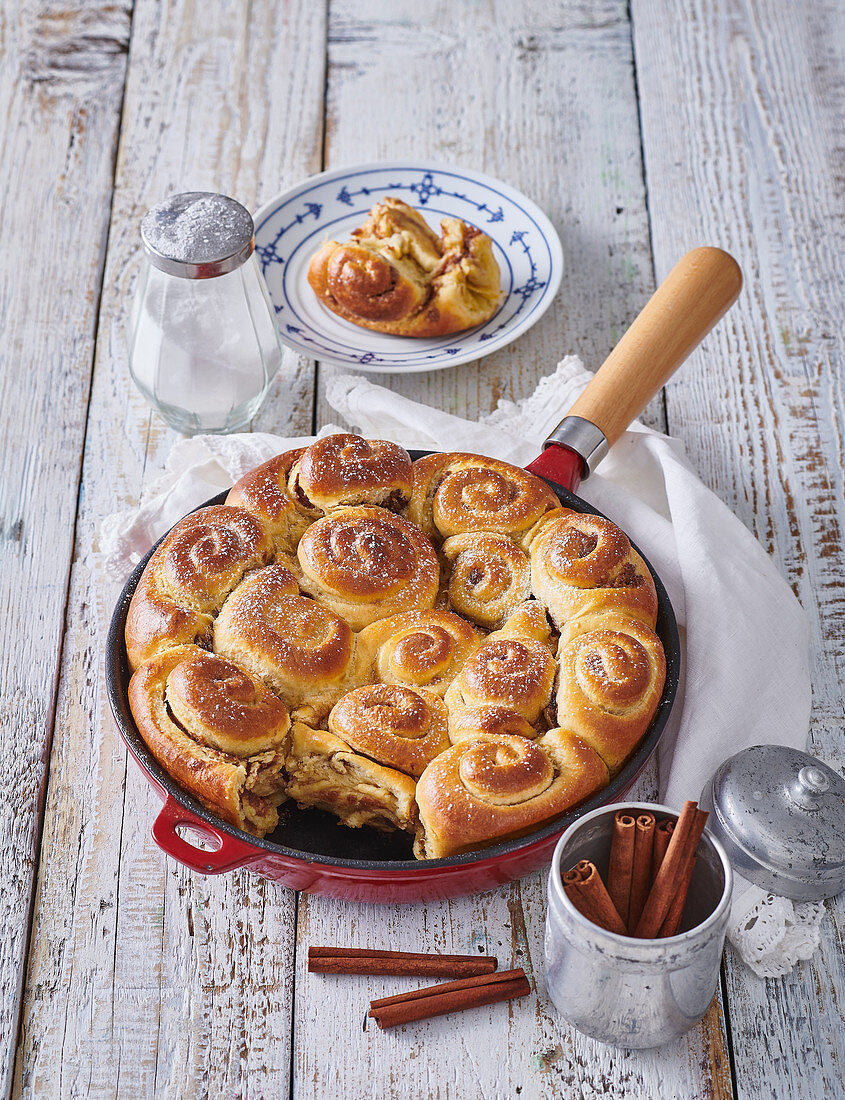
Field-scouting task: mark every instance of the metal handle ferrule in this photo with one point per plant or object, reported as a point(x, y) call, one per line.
point(583, 437)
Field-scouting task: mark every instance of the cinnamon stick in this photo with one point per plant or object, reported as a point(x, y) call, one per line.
point(437, 1000)
point(641, 872)
point(621, 866)
point(356, 960)
point(589, 895)
point(662, 835)
point(676, 909)
point(681, 848)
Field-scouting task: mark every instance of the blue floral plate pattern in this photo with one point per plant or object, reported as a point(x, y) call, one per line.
point(291, 227)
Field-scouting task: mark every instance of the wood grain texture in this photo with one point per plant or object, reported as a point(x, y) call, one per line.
point(555, 94)
point(538, 95)
point(741, 107)
point(145, 979)
point(61, 83)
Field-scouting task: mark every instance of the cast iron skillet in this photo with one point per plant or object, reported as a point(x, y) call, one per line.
point(311, 850)
point(316, 835)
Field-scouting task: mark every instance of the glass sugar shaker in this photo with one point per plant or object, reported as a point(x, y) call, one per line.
point(203, 341)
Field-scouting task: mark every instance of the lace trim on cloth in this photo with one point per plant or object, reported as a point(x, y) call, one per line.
point(771, 933)
point(373, 411)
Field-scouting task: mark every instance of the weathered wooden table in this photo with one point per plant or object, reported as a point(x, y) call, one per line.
point(642, 130)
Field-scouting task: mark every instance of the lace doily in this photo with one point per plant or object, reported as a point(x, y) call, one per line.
point(771, 933)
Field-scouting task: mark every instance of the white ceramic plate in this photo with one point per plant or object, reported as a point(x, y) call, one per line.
point(291, 227)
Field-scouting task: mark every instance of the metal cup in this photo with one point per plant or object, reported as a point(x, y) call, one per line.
point(624, 991)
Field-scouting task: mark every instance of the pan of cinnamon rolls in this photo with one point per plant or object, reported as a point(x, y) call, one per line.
point(388, 676)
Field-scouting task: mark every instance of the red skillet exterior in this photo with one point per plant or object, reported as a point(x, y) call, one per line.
point(364, 880)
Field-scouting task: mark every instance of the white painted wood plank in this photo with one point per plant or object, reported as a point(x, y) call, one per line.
point(61, 82)
point(544, 99)
point(741, 109)
point(145, 979)
point(68, 963)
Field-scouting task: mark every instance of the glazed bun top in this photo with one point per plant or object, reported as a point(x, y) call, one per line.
point(346, 469)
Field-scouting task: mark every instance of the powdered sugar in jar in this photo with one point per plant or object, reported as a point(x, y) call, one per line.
point(203, 342)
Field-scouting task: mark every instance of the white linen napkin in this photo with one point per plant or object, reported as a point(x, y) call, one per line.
point(744, 636)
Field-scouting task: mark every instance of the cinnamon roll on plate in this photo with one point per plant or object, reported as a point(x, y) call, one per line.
point(396, 275)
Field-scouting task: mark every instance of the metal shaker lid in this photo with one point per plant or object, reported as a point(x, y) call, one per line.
point(198, 235)
point(780, 813)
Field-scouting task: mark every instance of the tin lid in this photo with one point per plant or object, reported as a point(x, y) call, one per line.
point(198, 235)
point(780, 813)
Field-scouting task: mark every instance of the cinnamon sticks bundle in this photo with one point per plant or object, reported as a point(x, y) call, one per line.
point(437, 1000)
point(673, 877)
point(649, 872)
point(478, 982)
point(588, 893)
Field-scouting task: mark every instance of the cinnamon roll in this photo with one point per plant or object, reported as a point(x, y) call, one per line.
point(395, 726)
point(611, 681)
point(218, 731)
point(366, 563)
point(189, 576)
point(301, 649)
point(456, 492)
point(517, 673)
point(420, 649)
point(397, 276)
point(346, 469)
point(489, 576)
point(326, 773)
point(263, 492)
point(496, 787)
point(582, 563)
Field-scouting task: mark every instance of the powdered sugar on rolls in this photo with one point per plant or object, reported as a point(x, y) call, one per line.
point(435, 647)
point(220, 732)
point(420, 648)
point(189, 576)
point(366, 563)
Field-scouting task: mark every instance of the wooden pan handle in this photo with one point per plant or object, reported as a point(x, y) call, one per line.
point(698, 290)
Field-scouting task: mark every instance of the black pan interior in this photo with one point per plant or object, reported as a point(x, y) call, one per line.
point(316, 836)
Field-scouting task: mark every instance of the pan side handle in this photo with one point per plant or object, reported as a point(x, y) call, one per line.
point(229, 854)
